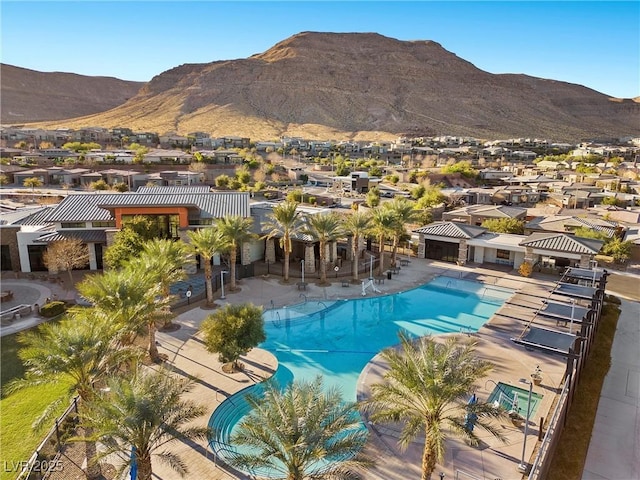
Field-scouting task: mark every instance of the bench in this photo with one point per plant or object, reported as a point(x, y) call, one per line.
point(302, 285)
point(379, 279)
point(346, 283)
point(395, 270)
point(404, 262)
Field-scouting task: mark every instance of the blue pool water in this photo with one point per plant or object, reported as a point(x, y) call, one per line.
point(337, 339)
point(504, 394)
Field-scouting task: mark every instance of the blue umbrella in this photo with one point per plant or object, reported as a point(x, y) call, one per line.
point(470, 418)
point(134, 464)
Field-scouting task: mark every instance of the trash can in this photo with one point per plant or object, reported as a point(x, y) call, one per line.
point(388, 274)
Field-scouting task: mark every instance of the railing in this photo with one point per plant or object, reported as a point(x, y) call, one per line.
point(547, 446)
point(40, 456)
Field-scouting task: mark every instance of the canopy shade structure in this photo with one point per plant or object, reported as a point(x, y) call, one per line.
point(562, 312)
point(547, 340)
point(575, 291)
point(584, 274)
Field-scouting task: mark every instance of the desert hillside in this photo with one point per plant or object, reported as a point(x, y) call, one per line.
point(364, 85)
point(29, 96)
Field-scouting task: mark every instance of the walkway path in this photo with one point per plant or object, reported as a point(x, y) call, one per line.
point(614, 450)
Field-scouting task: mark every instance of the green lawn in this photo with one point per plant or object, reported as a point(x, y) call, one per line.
point(19, 410)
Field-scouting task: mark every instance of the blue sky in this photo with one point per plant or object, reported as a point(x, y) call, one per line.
point(596, 44)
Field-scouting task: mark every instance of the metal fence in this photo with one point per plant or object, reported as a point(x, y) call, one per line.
point(43, 460)
point(542, 462)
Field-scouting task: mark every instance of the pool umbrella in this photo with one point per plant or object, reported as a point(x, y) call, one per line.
point(470, 418)
point(134, 464)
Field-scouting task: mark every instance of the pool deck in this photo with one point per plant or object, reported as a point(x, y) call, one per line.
point(492, 459)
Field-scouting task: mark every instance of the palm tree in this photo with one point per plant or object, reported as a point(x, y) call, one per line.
point(384, 224)
point(206, 242)
point(323, 228)
point(164, 260)
point(404, 213)
point(143, 414)
point(284, 222)
point(235, 230)
point(304, 432)
point(131, 298)
point(357, 225)
point(80, 348)
point(427, 387)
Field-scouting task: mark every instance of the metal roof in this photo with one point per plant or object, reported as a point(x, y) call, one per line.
point(87, 236)
point(560, 242)
point(25, 216)
point(451, 230)
point(95, 206)
point(176, 189)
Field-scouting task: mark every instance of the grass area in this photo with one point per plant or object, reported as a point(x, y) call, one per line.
point(19, 410)
point(10, 365)
point(18, 440)
point(571, 453)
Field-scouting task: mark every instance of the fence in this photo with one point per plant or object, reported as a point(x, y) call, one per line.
point(548, 445)
point(51, 446)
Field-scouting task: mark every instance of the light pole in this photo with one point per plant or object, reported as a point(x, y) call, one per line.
point(523, 467)
point(222, 272)
point(302, 269)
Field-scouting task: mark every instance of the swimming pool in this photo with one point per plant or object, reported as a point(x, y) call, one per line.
point(338, 338)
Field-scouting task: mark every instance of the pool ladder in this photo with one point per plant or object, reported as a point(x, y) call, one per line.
point(276, 320)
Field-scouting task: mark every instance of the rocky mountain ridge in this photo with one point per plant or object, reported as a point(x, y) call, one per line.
point(364, 86)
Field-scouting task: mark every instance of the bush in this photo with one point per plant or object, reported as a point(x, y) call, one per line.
point(525, 269)
point(53, 309)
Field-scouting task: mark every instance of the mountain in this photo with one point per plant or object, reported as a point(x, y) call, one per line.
point(364, 86)
point(29, 96)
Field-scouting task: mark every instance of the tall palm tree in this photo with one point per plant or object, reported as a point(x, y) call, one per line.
point(131, 298)
point(304, 432)
point(235, 230)
point(357, 225)
point(404, 213)
point(284, 222)
point(207, 242)
point(323, 228)
point(164, 260)
point(80, 348)
point(383, 226)
point(427, 387)
point(144, 413)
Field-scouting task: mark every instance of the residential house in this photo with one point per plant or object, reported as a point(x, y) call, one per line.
point(461, 243)
point(157, 155)
point(476, 214)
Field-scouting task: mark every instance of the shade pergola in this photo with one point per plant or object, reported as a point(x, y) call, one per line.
point(547, 340)
point(584, 273)
point(575, 291)
point(563, 312)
